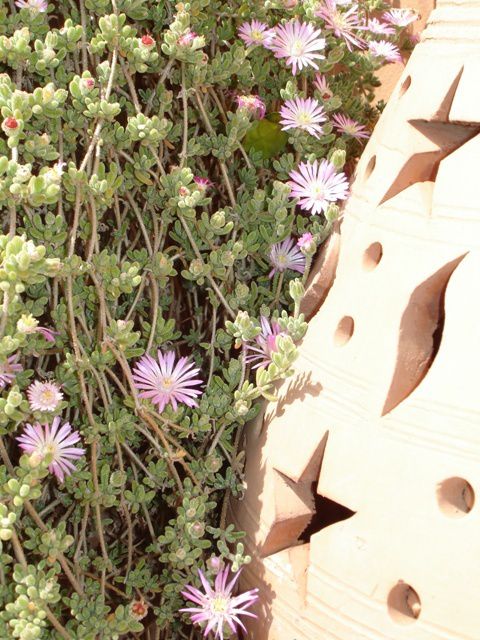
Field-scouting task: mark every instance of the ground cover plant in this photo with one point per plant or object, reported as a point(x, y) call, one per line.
point(167, 173)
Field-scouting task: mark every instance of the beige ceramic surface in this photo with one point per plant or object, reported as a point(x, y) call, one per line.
point(382, 418)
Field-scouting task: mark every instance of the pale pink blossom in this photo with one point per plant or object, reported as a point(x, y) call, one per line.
point(34, 5)
point(187, 38)
point(8, 370)
point(344, 24)
point(44, 396)
point(286, 255)
point(400, 17)
point(41, 440)
point(265, 344)
point(300, 113)
point(379, 28)
point(256, 32)
point(306, 243)
point(252, 104)
point(217, 607)
point(202, 183)
point(349, 126)
point(321, 84)
point(166, 380)
point(317, 185)
point(385, 49)
point(300, 43)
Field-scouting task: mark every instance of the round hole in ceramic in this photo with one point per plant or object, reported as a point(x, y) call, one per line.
point(455, 497)
point(344, 331)
point(372, 256)
point(370, 167)
point(405, 86)
point(404, 605)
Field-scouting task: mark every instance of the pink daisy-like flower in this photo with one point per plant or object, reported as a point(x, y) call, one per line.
point(44, 440)
point(303, 113)
point(163, 381)
point(306, 242)
point(321, 84)
point(285, 255)
point(342, 23)
point(217, 607)
point(252, 104)
point(317, 185)
point(202, 183)
point(400, 17)
point(349, 126)
point(8, 370)
point(44, 396)
point(266, 344)
point(34, 5)
point(379, 28)
point(256, 32)
point(300, 43)
point(385, 49)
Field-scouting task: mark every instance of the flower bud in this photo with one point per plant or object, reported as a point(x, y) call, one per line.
point(147, 41)
point(186, 39)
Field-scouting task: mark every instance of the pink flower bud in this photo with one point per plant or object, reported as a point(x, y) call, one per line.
point(186, 39)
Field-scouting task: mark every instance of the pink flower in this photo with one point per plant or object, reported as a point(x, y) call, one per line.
point(187, 38)
point(256, 32)
point(47, 333)
point(317, 185)
point(300, 43)
point(342, 23)
point(202, 183)
point(34, 5)
point(8, 370)
point(88, 83)
point(42, 440)
point(217, 607)
point(163, 381)
point(252, 104)
point(44, 396)
point(379, 28)
point(306, 243)
point(385, 49)
point(349, 127)
point(321, 84)
point(266, 344)
point(400, 17)
point(304, 114)
point(285, 255)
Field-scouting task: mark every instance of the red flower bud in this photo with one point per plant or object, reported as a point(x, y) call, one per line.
point(147, 41)
point(11, 123)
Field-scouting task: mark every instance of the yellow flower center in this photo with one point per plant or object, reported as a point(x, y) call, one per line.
point(351, 129)
point(220, 604)
point(47, 396)
point(304, 117)
point(257, 35)
point(167, 384)
point(319, 192)
point(297, 48)
point(282, 260)
point(50, 449)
